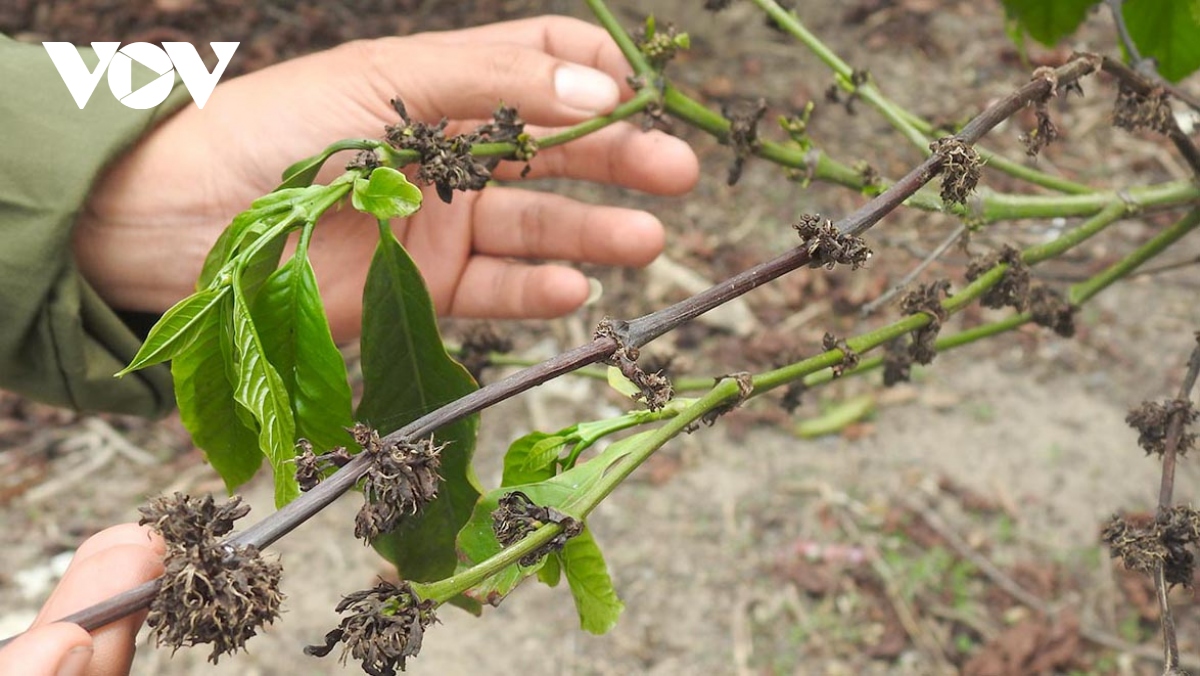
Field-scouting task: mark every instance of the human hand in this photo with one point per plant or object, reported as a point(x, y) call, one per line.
point(112, 561)
point(155, 214)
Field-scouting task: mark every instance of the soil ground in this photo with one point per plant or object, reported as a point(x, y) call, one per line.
point(743, 549)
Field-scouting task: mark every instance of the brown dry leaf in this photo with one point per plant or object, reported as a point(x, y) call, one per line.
point(1035, 645)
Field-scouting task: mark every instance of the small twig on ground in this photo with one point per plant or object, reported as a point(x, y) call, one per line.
point(907, 279)
point(922, 636)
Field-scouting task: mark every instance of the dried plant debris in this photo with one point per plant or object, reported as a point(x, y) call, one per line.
point(402, 478)
point(827, 246)
point(516, 516)
point(384, 627)
point(1051, 310)
point(480, 341)
point(833, 93)
point(211, 592)
point(1013, 288)
point(1152, 420)
point(793, 396)
point(849, 356)
point(1046, 132)
point(743, 133)
point(961, 169)
point(897, 361)
point(311, 468)
point(926, 298)
point(745, 384)
point(717, 5)
point(1133, 111)
point(447, 163)
point(367, 160)
point(1163, 542)
point(654, 388)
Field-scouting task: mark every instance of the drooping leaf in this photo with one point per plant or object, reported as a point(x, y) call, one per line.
point(1169, 31)
point(204, 393)
point(386, 194)
point(261, 391)
point(587, 575)
point(567, 492)
point(178, 328)
point(304, 172)
point(1049, 21)
point(407, 373)
point(297, 341)
point(530, 459)
point(551, 571)
point(621, 384)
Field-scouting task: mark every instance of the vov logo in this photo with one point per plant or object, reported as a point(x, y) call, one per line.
point(181, 56)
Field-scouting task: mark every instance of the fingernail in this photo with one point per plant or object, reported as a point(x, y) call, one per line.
point(585, 89)
point(75, 662)
point(595, 290)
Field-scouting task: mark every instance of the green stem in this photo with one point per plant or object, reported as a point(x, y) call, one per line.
point(1002, 207)
point(1084, 291)
point(441, 591)
point(912, 127)
point(624, 41)
point(397, 159)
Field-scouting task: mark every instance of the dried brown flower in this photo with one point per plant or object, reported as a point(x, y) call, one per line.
point(516, 516)
point(961, 169)
point(384, 628)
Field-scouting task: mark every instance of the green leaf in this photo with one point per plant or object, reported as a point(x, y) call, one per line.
point(407, 373)
point(595, 598)
point(178, 328)
point(1169, 31)
point(1049, 21)
point(264, 213)
point(551, 571)
point(620, 383)
point(204, 393)
point(297, 341)
point(530, 459)
point(567, 492)
point(387, 194)
point(261, 391)
point(305, 171)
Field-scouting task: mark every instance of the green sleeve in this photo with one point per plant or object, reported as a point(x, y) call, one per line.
point(59, 342)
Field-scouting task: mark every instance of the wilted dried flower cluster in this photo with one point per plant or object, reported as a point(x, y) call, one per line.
point(1152, 420)
point(401, 479)
point(1164, 541)
point(448, 163)
point(385, 627)
point(743, 133)
point(516, 516)
point(961, 169)
point(827, 246)
point(1013, 288)
point(1133, 111)
point(211, 592)
point(654, 388)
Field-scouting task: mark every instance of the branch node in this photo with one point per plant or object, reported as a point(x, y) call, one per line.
point(850, 358)
point(827, 246)
point(745, 384)
point(516, 516)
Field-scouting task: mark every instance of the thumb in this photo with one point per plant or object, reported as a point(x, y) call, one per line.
point(57, 649)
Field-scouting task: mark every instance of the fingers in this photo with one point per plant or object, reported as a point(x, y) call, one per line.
point(55, 649)
point(621, 154)
point(497, 289)
point(437, 79)
point(563, 37)
point(112, 561)
point(517, 223)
